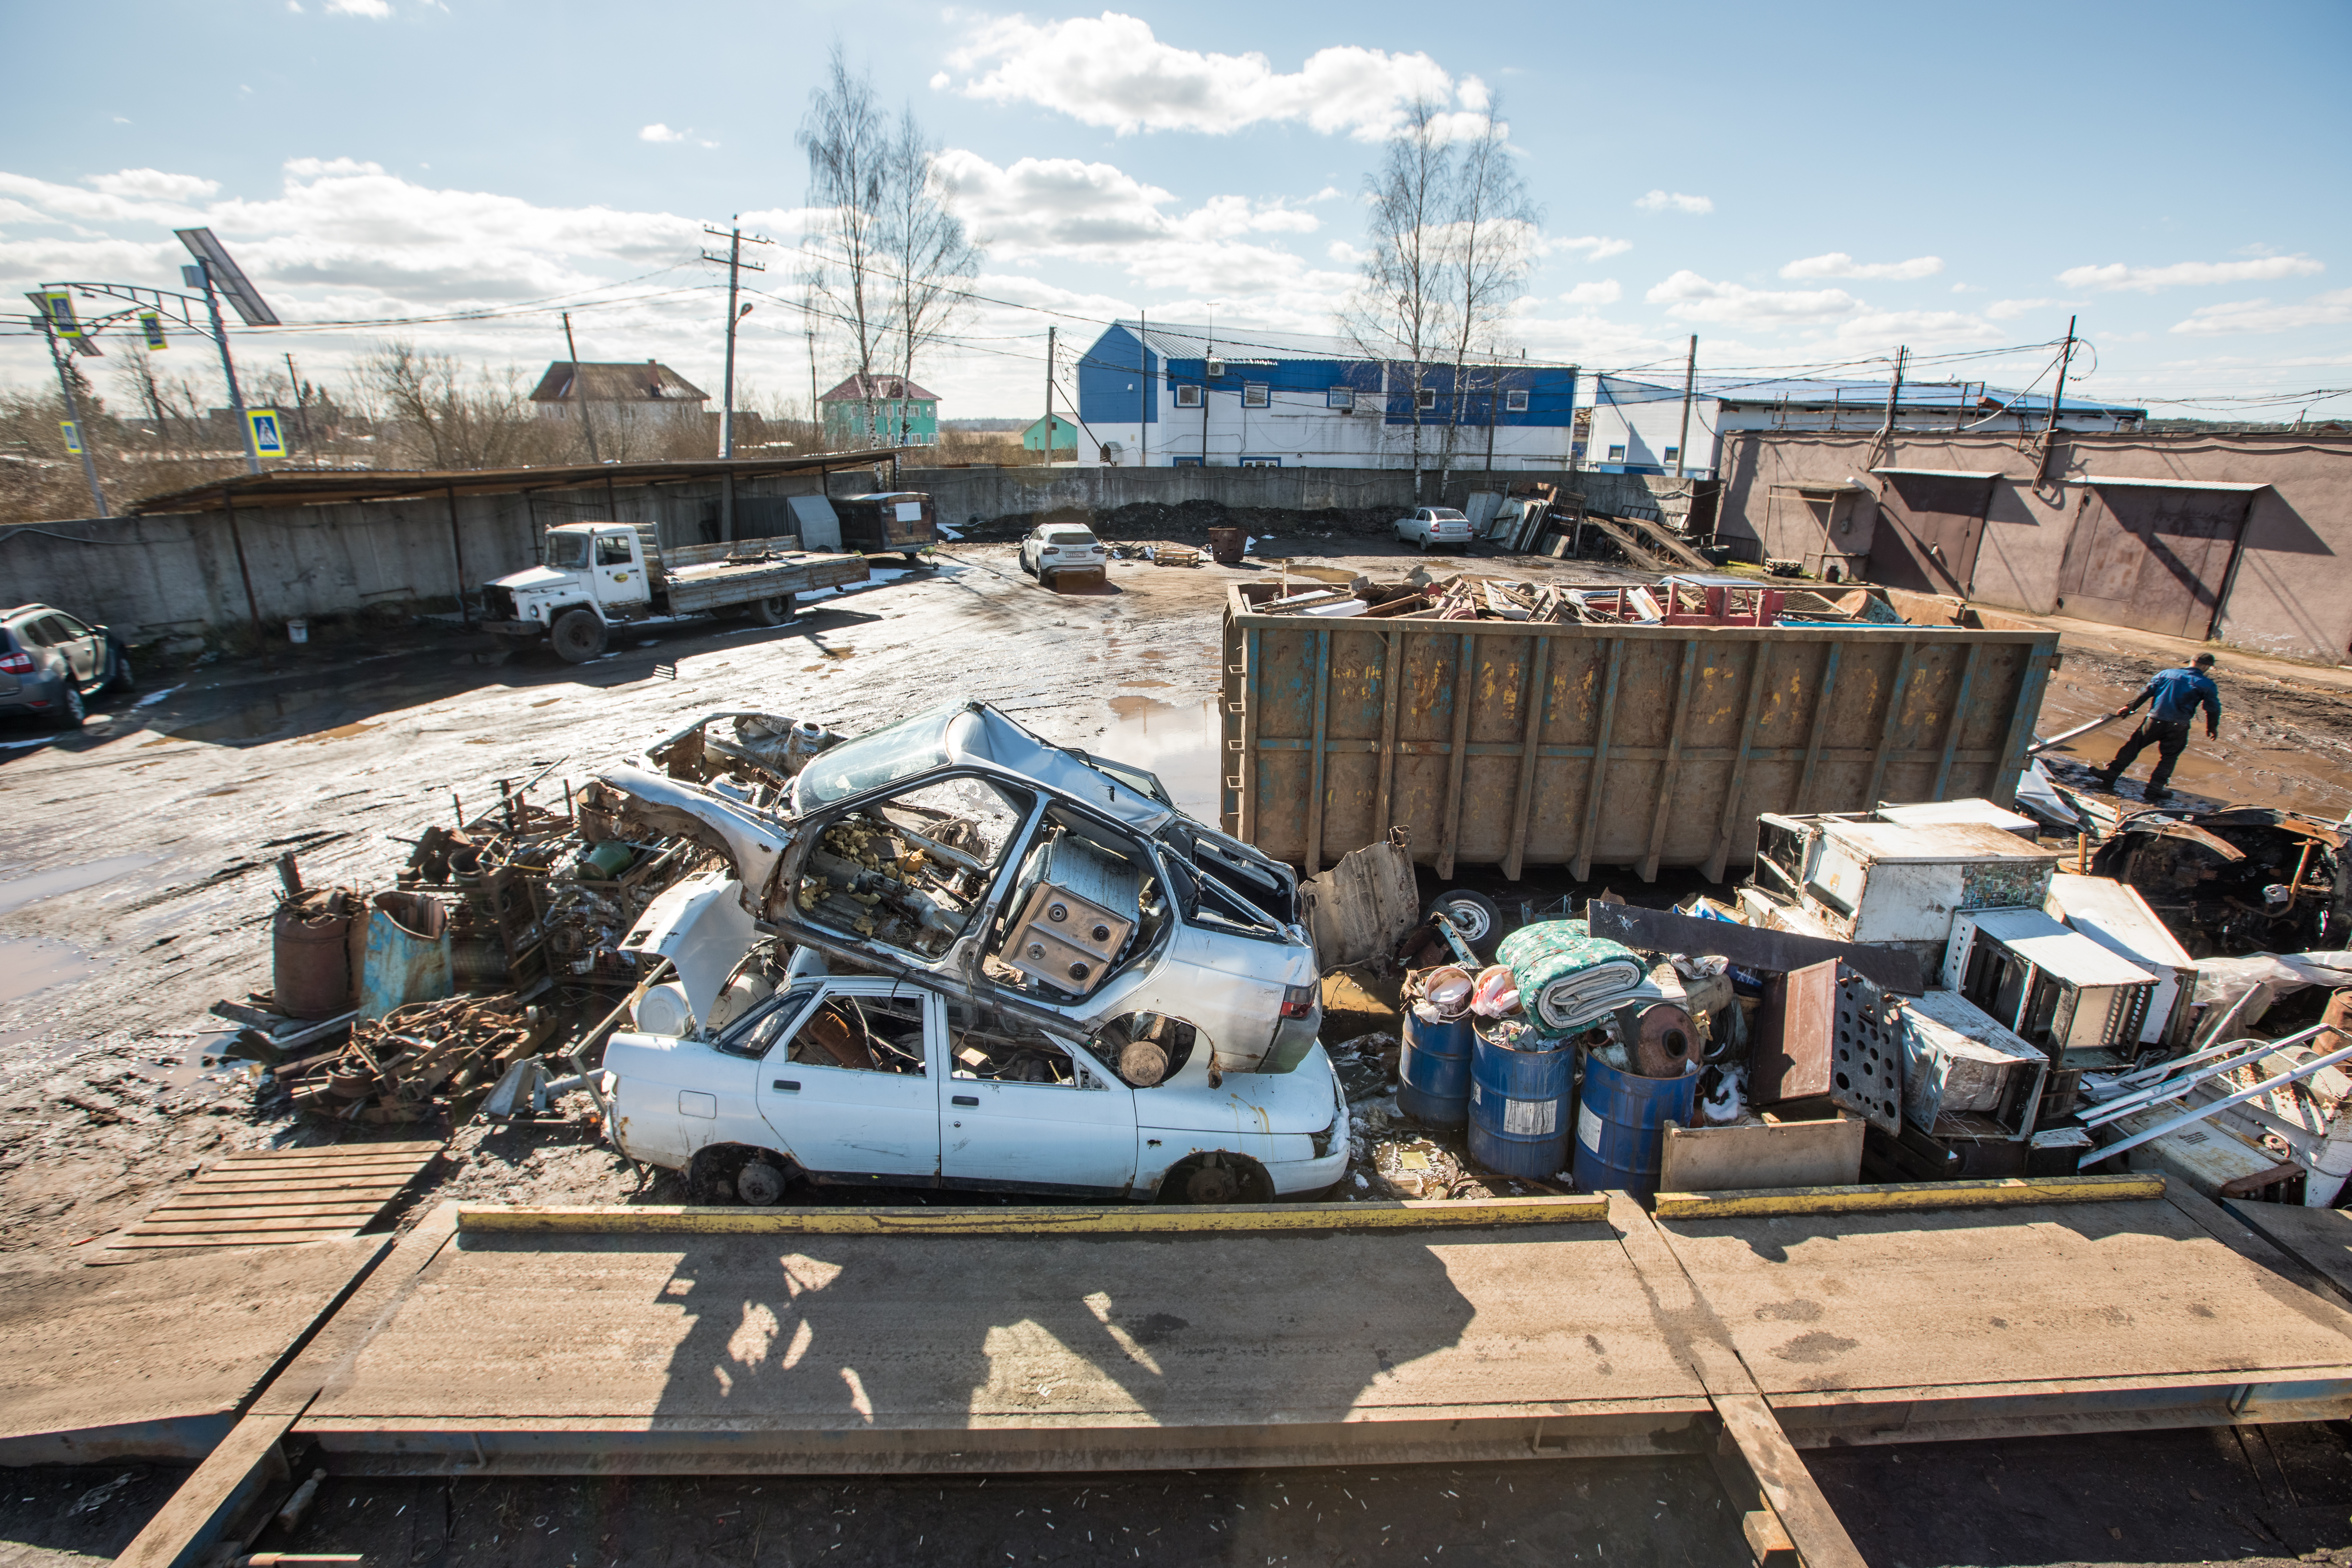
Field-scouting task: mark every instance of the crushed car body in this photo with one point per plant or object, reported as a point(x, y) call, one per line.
point(959, 850)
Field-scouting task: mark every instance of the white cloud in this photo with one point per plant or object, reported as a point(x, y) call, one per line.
point(1596, 247)
point(1691, 298)
point(660, 132)
point(2330, 310)
point(1838, 264)
point(1340, 251)
point(941, 80)
point(1673, 201)
point(1111, 71)
point(295, 6)
point(1328, 193)
point(2148, 279)
point(2010, 310)
point(153, 185)
point(376, 10)
point(1870, 330)
point(1604, 293)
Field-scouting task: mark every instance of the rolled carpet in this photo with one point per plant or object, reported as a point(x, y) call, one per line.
point(1569, 978)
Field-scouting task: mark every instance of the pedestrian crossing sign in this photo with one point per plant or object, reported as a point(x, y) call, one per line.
point(268, 434)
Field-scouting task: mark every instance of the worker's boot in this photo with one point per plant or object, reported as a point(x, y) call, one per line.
point(2106, 778)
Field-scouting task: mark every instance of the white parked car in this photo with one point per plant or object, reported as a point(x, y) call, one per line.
point(869, 1080)
point(1052, 548)
point(958, 849)
point(1431, 525)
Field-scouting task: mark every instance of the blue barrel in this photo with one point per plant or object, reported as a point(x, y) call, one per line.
point(1620, 1127)
point(1520, 1102)
point(1433, 1071)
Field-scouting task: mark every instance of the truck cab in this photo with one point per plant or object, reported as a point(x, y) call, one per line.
point(592, 575)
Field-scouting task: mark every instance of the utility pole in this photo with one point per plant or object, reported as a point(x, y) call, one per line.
point(1690, 378)
point(73, 412)
point(1143, 403)
point(1049, 397)
point(229, 366)
point(808, 326)
point(580, 385)
point(301, 406)
point(2066, 363)
point(1894, 396)
point(1208, 352)
point(735, 265)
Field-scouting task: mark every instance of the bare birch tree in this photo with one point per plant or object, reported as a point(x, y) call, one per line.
point(930, 251)
point(1489, 246)
point(848, 144)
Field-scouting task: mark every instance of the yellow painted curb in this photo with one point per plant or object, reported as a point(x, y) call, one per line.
point(1137, 1219)
point(2007, 1192)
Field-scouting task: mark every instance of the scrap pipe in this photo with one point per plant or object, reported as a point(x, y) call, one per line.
point(237, 538)
point(2290, 1076)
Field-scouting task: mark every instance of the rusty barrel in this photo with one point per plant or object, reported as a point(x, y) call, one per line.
point(311, 942)
point(1225, 545)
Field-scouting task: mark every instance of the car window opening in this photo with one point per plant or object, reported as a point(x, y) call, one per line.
point(864, 1034)
point(986, 1045)
point(911, 872)
point(870, 761)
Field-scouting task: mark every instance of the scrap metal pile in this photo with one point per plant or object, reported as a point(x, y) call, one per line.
point(1694, 600)
point(411, 1064)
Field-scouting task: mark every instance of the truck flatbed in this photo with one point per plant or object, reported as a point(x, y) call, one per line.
point(710, 576)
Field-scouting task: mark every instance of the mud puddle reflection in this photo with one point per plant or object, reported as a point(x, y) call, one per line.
point(1178, 741)
point(31, 964)
point(23, 890)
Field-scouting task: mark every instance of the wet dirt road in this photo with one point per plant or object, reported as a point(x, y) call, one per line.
point(136, 888)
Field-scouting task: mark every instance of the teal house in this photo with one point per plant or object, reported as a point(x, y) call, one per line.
point(879, 411)
point(1066, 436)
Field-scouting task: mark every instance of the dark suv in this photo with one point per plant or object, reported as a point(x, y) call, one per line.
point(49, 662)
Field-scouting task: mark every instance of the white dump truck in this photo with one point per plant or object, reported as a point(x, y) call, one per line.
point(599, 576)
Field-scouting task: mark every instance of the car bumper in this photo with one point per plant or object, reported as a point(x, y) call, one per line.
point(35, 694)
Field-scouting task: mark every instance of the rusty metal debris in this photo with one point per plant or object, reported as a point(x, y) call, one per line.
point(412, 1065)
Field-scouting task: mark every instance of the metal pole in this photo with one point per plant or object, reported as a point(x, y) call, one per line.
point(302, 403)
point(236, 539)
point(1143, 365)
point(229, 369)
point(581, 386)
point(727, 403)
point(1690, 376)
point(2066, 363)
point(457, 542)
point(73, 412)
point(1049, 398)
point(1894, 395)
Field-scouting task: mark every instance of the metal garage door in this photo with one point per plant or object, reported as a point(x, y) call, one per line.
point(1930, 525)
point(2153, 556)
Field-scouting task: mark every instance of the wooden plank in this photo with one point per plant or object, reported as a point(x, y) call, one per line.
point(352, 1214)
point(1910, 1196)
point(1673, 763)
point(1534, 706)
point(299, 1167)
point(1770, 1155)
point(220, 1501)
point(390, 1187)
point(1804, 1515)
point(315, 1150)
point(1123, 1220)
point(2319, 1239)
point(1643, 560)
point(129, 1243)
point(247, 1225)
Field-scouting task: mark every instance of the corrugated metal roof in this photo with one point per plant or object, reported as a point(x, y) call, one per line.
point(1240, 345)
point(1798, 391)
point(879, 387)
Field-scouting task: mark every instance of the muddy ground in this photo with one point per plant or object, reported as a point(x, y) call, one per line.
point(135, 890)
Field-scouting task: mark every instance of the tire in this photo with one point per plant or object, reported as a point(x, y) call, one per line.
point(122, 678)
point(773, 612)
point(73, 712)
point(577, 636)
point(1477, 919)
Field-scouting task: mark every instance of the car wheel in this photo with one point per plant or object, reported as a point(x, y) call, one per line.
point(760, 1185)
point(122, 678)
point(577, 636)
point(1478, 919)
point(73, 710)
point(773, 612)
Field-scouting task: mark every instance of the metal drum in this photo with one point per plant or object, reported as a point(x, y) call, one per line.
point(1620, 1127)
point(1520, 1102)
point(1433, 1071)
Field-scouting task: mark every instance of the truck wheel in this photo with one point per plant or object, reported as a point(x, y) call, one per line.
point(775, 612)
point(577, 636)
point(1477, 919)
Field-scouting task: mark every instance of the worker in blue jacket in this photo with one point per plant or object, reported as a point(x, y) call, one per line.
point(2176, 694)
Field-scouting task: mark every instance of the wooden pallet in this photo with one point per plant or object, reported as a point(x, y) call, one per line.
point(275, 1197)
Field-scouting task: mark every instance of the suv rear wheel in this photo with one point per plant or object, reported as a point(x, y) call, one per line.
point(73, 710)
point(121, 677)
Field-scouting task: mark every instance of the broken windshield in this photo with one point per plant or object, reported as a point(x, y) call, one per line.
point(893, 752)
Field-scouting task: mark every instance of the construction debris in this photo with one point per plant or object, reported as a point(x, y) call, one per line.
point(1686, 600)
point(415, 1063)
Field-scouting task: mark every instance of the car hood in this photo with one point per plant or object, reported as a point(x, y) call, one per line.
point(1302, 1100)
point(535, 577)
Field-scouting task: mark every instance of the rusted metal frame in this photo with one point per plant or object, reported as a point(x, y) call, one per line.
point(1582, 864)
point(1535, 707)
point(1960, 718)
point(1895, 693)
point(1666, 771)
point(1252, 700)
point(458, 550)
point(237, 539)
point(1751, 714)
point(1465, 664)
point(1392, 689)
point(2012, 760)
point(1822, 696)
point(1315, 755)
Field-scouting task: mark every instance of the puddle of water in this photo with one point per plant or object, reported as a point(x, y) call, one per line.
point(252, 722)
point(1178, 741)
point(30, 963)
point(16, 894)
point(2230, 771)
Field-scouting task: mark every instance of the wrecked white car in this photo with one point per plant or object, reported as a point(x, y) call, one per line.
point(755, 1074)
point(959, 850)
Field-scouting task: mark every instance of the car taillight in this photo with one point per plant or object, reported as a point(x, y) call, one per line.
point(16, 663)
point(1297, 1001)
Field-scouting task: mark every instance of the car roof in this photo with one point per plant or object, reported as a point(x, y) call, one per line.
point(27, 610)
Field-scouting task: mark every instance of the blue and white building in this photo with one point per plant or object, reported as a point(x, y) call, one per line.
point(1628, 427)
point(1162, 396)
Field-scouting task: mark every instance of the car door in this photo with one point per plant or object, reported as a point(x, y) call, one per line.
point(849, 1088)
point(1024, 1112)
point(619, 579)
point(74, 640)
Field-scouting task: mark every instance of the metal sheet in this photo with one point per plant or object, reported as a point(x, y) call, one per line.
point(1514, 743)
point(1750, 947)
point(1795, 1030)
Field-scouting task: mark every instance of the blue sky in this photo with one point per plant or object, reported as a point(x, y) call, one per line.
point(1802, 186)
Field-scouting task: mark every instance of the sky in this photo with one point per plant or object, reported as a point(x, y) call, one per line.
point(1804, 188)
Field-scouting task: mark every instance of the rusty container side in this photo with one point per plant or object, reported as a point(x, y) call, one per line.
point(1503, 743)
